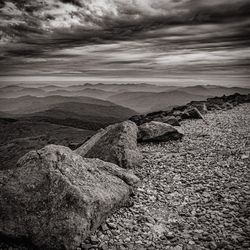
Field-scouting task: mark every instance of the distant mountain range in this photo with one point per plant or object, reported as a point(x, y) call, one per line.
point(213, 90)
point(92, 106)
point(144, 102)
point(33, 116)
point(100, 91)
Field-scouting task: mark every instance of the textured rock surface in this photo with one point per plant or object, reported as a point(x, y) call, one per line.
point(55, 198)
point(169, 120)
point(158, 132)
point(117, 144)
point(192, 113)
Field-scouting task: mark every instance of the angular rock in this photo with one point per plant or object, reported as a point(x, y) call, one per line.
point(117, 144)
point(227, 105)
point(55, 198)
point(158, 132)
point(192, 113)
point(171, 120)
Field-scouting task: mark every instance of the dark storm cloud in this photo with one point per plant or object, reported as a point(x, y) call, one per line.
point(101, 37)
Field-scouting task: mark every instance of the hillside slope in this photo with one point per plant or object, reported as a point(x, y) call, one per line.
point(18, 138)
point(30, 104)
point(81, 115)
point(89, 92)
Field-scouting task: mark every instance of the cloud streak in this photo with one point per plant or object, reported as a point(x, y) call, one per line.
point(114, 38)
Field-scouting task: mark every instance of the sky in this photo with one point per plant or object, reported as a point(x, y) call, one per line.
point(165, 41)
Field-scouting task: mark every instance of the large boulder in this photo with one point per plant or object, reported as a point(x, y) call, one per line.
point(117, 144)
point(158, 132)
point(55, 198)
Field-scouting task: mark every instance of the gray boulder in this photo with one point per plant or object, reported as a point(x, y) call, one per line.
point(158, 132)
point(117, 144)
point(55, 198)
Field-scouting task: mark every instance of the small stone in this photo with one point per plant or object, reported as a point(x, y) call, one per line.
point(138, 242)
point(244, 157)
point(191, 242)
point(104, 227)
point(213, 245)
point(94, 240)
point(104, 246)
point(127, 240)
point(111, 225)
point(169, 235)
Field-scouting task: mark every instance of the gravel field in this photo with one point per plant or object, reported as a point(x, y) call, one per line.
point(195, 193)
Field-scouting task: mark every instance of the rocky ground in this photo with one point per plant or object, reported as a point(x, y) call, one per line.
point(195, 193)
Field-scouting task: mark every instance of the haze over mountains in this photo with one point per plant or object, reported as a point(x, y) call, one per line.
point(32, 116)
point(141, 98)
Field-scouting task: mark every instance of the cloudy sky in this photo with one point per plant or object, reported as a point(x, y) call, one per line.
point(126, 40)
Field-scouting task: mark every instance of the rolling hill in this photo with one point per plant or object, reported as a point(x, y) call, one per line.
point(80, 115)
point(88, 92)
point(31, 104)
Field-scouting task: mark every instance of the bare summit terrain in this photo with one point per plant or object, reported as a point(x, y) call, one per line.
point(194, 193)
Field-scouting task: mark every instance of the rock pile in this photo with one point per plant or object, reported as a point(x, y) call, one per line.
point(192, 110)
point(55, 198)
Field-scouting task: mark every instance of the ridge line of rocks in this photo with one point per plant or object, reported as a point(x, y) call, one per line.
point(192, 110)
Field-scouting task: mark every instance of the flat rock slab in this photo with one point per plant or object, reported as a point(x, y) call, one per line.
point(117, 144)
point(55, 198)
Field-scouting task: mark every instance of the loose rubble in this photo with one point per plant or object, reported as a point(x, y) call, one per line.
point(195, 193)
